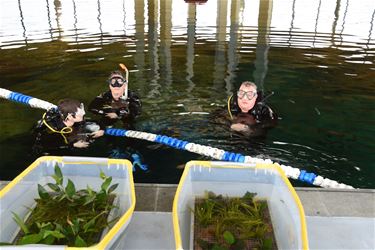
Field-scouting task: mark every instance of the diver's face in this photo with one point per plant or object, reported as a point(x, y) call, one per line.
point(117, 92)
point(71, 119)
point(246, 97)
point(78, 116)
point(117, 86)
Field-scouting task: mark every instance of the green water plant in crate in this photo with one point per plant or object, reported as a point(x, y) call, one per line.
point(66, 216)
point(232, 223)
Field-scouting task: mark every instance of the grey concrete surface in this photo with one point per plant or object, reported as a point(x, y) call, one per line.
point(156, 227)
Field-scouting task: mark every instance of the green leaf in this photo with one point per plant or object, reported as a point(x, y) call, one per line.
point(90, 191)
point(89, 224)
point(79, 242)
point(48, 240)
point(267, 244)
point(44, 225)
point(112, 188)
point(54, 187)
point(106, 183)
point(249, 196)
point(228, 237)
point(70, 189)
point(76, 225)
point(43, 192)
point(20, 223)
point(102, 175)
point(59, 228)
point(88, 200)
point(58, 175)
point(55, 234)
point(31, 239)
point(218, 247)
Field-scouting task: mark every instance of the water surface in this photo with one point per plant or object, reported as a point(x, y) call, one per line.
point(185, 60)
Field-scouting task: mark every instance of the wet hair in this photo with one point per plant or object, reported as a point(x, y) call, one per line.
point(116, 72)
point(68, 106)
point(249, 84)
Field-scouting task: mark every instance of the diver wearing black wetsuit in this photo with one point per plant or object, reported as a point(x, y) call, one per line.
point(125, 109)
point(248, 111)
point(261, 112)
point(64, 128)
point(116, 104)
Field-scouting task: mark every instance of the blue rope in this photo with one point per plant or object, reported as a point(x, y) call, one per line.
point(227, 156)
point(17, 97)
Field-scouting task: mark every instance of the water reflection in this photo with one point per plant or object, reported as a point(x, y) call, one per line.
point(191, 26)
point(22, 23)
point(185, 59)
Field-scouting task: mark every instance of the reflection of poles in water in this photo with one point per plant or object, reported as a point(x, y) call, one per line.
point(100, 23)
point(369, 34)
point(221, 33)
point(316, 22)
point(165, 38)
point(57, 5)
point(261, 61)
point(139, 57)
point(49, 20)
point(191, 26)
point(75, 20)
point(343, 21)
point(337, 11)
point(292, 23)
point(22, 23)
point(234, 40)
point(153, 17)
point(124, 20)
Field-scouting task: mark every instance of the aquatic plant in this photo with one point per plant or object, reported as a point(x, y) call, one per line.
point(232, 223)
point(66, 216)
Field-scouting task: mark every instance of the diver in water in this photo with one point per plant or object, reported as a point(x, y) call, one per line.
point(64, 128)
point(118, 103)
point(248, 111)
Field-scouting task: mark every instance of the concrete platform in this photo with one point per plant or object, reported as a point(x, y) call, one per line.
point(336, 219)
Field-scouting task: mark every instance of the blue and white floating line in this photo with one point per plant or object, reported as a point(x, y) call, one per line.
point(222, 155)
point(212, 152)
point(24, 99)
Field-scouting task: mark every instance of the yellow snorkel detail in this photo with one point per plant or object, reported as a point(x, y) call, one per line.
point(63, 131)
point(229, 112)
point(125, 69)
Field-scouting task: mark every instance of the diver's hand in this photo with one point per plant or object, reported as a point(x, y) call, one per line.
point(97, 134)
point(81, 144)
point(111, 115)
point(239, 127)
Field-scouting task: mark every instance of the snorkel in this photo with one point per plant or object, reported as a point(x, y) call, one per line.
point(123, 67)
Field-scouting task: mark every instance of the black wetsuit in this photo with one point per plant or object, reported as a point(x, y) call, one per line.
point(56, 136)
point(261, 112)
point(126, 110)
point(257, 120)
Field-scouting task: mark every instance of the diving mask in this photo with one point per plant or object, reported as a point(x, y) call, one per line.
point(249, 94)
point(117, 82)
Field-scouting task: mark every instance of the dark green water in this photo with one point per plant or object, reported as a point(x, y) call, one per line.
point(185, 60)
